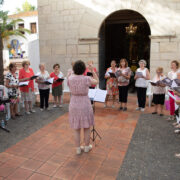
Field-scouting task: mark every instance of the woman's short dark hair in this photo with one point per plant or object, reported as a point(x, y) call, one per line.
point(176, 63)
point(11, 65)
point(79, 67)
point(54, 66)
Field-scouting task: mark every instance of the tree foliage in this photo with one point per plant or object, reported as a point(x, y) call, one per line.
point(8, 28)
point(26, 6)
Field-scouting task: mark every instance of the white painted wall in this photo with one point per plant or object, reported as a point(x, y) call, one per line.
point(34, 56)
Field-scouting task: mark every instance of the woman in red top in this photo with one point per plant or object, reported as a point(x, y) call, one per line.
point(57, 85)
point(27, 92)
point(88, 70)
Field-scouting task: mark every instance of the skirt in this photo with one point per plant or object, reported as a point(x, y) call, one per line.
point(81, 113)
point(158, 99)
point(57, 91)
point(27, 96)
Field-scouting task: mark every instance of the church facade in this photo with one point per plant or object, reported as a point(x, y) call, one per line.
point(97, 30)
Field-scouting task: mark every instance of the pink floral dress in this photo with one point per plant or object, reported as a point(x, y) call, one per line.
point(80, 108)
point(112, 83)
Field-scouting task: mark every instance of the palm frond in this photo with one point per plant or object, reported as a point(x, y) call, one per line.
point(6, 34)
point(15, 32)
point(24, 30)
point(14, 22)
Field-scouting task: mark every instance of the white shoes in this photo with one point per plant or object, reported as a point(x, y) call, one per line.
point(54, 106)
point(41, 109)
point(86, 149)
point(142, 109)
point(138, 109)
point(32, 111)
point(78, 150)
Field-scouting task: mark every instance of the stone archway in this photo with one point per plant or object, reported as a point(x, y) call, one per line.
point(115, 43)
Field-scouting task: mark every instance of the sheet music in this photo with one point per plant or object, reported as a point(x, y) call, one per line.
point(174, 84)
point(108, 72)
point(97, 95)
point(100, 95)
point(37, 74)
point(92, 93)
point(50, 80)
point(60, 75)
point(24, 83)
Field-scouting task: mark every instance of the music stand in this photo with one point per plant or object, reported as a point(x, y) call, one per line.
point(96, 95)
point(93, 130)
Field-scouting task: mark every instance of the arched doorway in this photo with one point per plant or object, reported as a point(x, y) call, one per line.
point(117, 41)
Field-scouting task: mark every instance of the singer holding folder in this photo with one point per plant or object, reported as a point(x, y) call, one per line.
point(111, 83)
point(57, 88)
point(141, 77)
point(27, 92)
point(172, 75)
point(44, 89)
point(12, 81)
point(80, 109)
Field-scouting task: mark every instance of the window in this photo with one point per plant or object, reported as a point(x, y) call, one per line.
point(33, 28)
point(21, 26)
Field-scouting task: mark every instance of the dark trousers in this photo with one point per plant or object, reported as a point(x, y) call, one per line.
point(123, 94)
point(141, 95)
point(44, 98)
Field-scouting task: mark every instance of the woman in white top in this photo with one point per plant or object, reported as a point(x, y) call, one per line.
point(141, 77)
point(159, 91)
point(44, 88)
point(173, 75)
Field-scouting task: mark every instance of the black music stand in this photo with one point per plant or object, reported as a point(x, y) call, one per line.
point(4, 128)
point(93, 130)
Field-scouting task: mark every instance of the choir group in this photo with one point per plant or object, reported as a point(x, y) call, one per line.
point(80, 78)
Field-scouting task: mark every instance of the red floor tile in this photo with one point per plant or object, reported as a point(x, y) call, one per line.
point(7, 169)
point(107, 173)
point(48, 169)
point(20, 174)
point(31, 164)
point(49, 153)
point(43, 155)
point(37, 176)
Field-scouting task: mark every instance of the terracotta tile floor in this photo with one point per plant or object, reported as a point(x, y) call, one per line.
point(49, 153)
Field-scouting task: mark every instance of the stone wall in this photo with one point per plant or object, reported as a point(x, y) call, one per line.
point(164, 49)
point(69, 29)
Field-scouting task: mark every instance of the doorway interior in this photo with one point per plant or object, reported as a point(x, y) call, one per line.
point(123, 34)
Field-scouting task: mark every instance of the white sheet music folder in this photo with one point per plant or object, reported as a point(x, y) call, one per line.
point(97, 95)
